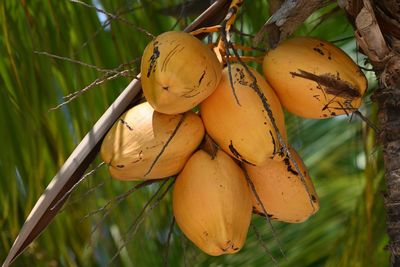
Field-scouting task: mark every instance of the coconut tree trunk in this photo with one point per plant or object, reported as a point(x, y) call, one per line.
point(388, 99)
point(377, 26)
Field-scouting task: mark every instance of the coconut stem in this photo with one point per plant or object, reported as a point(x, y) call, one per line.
point(209, 146)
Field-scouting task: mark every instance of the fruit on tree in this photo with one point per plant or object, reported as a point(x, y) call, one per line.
point(240, 125)
point(145, 144)
point(178, 71)
point(313, 78)
point(212, 203)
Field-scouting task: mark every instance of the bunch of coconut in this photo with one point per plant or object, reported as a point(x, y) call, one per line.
point(250, 168)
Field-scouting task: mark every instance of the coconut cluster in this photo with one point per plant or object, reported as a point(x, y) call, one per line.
point(212, 200)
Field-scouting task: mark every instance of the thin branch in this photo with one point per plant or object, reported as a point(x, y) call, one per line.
point(115, 201)
point(259, 201)
point(73, 61)
point(84, 195)
point(324, 17)
point(106, 23)
point(76, 185)
point(171, 228)
point(142, 215)
point(95, 83)
point(342, 39)
point(228, 64)
point(110, 74)
point(115, 17)
point(178, 19)
point(263, 244)
point(367, 121)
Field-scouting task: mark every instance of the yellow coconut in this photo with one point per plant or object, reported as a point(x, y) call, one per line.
point(314, 78)
point(281, 191)
point(145, 144)
point(178, 72)
point(243, 129)
point(212, 203)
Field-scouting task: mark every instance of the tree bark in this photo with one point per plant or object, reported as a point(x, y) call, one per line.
point(388, 100)
point(377, 32)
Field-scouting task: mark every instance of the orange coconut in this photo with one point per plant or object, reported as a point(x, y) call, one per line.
point(314, 78)
point(281, 190)
point(178, 72)
point(212, 203)
point(139, 140)
point(242, 127)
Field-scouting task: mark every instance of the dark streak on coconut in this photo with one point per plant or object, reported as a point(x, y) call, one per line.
point(255, 211)
point(241, 79)
point(273, 142)
point(202, 77)
point(316, 97)
point(120, 166)
point(313, 198)
point(169, 56)
point(289, 166)
point(332, 83)
point(262, 214)
point(237, 155)
point(126, 124)
point(318, 50)
point(188, 95)
point(153, 59)
point(140, 157)
point(136, 161)
point(166, 144)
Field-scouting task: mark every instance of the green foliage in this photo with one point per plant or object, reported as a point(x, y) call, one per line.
point(349, 229)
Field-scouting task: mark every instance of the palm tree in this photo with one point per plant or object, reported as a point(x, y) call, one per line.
point(51, 49)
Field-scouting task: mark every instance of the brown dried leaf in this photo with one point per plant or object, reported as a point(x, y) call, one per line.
point(369, 36)
point(288, 18)
point(273, 30)
point(352, 7)
point(390, 26)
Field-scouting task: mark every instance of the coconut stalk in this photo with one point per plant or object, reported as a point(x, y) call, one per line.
point(58, 190)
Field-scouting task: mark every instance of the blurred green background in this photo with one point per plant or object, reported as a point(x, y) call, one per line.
point(341, 153)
